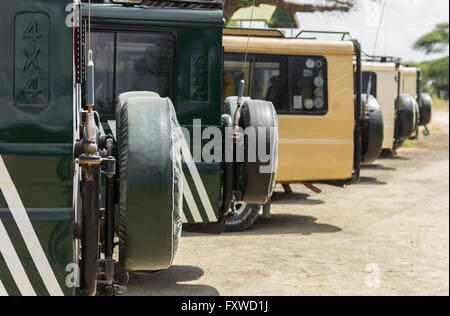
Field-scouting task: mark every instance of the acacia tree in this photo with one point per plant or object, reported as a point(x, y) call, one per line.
point(435, 41)
point(292, 6)
point(435, 72)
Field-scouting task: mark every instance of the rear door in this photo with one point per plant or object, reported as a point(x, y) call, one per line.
point(36, 141)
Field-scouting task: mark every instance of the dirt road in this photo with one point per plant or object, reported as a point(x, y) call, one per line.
point(389, 235)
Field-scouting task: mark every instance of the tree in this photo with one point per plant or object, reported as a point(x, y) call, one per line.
point(435, 41)
point(438, 73)
point(435, 72)
point(292, 6)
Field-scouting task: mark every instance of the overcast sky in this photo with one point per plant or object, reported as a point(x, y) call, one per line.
point(404, 21)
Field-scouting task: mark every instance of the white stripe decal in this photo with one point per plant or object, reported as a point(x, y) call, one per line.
point(191, 202)
point(26, 229)
point(112, 126)
point(2, 290)
point(14, 265)
point(304, 141)
point(183, 218)
point(102, 130)
point(196, 177)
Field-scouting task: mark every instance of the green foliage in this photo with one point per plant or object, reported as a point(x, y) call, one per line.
point(435, 41)
point(438, 73)
point(435, 75)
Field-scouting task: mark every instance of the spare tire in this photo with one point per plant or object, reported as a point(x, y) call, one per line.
point(373, 133)
point(407, 116)
point(257, 177)
point(426, 109)
point(150, 182)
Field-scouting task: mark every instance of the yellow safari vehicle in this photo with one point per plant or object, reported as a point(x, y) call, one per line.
point(410, 82)
point(395, 89)
point(326, 128)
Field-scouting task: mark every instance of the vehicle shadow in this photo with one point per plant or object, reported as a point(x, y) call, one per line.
point(394, 158)
point(377, 167)
point(295, 198)
point(169, 283)
point(371, 181)
point(279, 224)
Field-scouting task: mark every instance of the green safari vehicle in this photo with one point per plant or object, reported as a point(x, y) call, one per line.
point(101, 111)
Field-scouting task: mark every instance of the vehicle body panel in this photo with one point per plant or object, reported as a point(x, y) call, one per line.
point(197, 96)
point(386, 93)
point(313, 147)
point(36, 147)
point(408, 82)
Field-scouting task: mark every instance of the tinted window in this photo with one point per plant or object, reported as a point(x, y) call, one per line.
point(365, 83)
point(269, 81)
point(103, 48)
point(232, 75)
point(308, 85)
point(142, 62)
point(294, 84)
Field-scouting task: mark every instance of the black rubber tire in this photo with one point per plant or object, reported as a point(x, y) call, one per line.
point(387, 153)
point(415, 134)
point(244, 220)
point(373, 133)
point(150, 175)
point(426, 109)
point(407, 117)
point(256, 186)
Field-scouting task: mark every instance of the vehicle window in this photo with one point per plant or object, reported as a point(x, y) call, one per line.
point(309, 91)
point(365, 83)
point(265, 77)
point(300, 88)
point(269, 81)
point(103, 48)
point(232, 75)
point(142, 62)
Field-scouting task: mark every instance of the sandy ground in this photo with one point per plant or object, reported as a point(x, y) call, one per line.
point(389, 235)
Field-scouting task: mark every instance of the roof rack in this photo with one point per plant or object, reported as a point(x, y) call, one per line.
point(383, 59)
point(195, 4)
point(344, 34)
point(238, 31)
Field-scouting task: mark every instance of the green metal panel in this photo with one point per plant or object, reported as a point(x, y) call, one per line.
point(36, 138)
point(199, 72)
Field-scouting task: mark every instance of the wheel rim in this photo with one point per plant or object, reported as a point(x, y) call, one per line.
point(240, 207)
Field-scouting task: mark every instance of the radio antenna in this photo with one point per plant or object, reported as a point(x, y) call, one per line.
point(241, 89)
point(369, 84)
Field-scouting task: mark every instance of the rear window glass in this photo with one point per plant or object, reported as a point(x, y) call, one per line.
point(308, 79)
point(294, 84)
point(131, 62)
point(366, 76)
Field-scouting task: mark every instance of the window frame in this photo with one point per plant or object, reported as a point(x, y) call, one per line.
point(115, 31)
point(374, 83)
point(250, 59)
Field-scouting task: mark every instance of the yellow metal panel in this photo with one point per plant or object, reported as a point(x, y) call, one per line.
point(287, 46)
point(263, 12)
point(409, 80)
point(386, 95)
point(313, 148)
